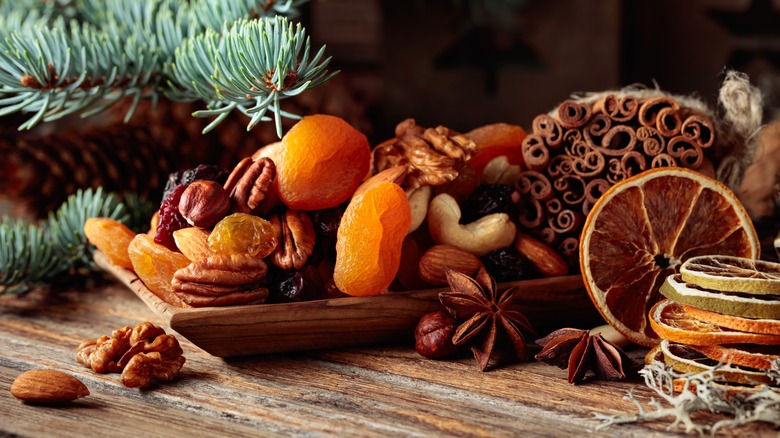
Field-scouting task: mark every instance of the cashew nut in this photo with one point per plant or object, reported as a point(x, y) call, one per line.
point(500, 171)
point(418, 202)
point(488, 233)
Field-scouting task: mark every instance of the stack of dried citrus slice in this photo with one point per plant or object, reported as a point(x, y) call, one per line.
point(642, 229)
point(721, 309)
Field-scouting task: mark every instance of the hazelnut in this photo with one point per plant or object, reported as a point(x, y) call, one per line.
point(204, 203)
point(433, 335)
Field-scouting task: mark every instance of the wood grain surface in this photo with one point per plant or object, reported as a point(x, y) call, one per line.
point(232, 331)
point(387, 390)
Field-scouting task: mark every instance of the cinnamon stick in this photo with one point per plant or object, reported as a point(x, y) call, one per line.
point(572, 115)
point(649, 109)
point(535, 152)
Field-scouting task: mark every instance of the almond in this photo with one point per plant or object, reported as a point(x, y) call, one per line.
point(47, 386)
point(193, 243)
point(436, 258)
point(545, 259)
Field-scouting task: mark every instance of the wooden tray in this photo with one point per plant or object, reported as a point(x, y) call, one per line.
point(343, 322)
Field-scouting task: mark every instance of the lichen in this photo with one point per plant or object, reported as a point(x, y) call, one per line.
point(701, 392)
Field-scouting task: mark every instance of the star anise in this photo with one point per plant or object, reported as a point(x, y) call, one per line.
point(486, 317)
point(581, 351)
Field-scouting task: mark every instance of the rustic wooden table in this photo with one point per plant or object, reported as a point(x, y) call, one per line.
point(377, 391)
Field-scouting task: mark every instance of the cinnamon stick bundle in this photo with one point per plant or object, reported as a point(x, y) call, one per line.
point(583, 148)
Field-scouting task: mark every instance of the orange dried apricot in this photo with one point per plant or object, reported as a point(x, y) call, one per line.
point(370, 239)
point(242, 233)
point(155, 265)
point(322, 161)
point(111, 237)
point(495, 140)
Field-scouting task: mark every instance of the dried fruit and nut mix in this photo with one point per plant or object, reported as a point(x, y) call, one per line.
point(321, 215)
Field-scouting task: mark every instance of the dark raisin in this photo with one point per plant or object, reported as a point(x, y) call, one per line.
point(506, 264)
point(170, 219)
point(285, 287)
point(487, 199)
point(294, 285)
point(326, 222)
point(203, 171)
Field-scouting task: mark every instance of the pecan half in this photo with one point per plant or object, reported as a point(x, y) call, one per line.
point(221, 280)
point(434, 156)
point(295, 233)
point(249, 183)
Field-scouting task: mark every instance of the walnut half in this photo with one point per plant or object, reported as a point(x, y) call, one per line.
point(142, 354)
point(434, 156)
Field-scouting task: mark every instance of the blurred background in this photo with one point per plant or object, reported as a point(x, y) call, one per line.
point(457, 63)
point(466, 63)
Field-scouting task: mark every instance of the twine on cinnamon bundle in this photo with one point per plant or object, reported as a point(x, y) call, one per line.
point(595, 140)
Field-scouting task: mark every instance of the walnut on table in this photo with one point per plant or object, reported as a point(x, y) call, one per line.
point(142, 354)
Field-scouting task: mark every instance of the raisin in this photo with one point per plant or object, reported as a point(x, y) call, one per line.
point(487, 199)
point(202, 171)
point(170, 219)
point(326, 222)
point(295, 285)
point(506, 264)
point(242, 233)
point(285, 287)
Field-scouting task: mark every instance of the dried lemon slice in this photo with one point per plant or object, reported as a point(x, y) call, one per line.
point(736, 304)
point(732, 274)
point(686, 360)
point(670, 322)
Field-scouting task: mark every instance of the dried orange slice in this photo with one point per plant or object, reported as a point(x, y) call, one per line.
point(752, 356)
point(732, 274)
point(765, 326)
point(643, 228)
point(670, 322)
point(734, 304)
point(686, 360)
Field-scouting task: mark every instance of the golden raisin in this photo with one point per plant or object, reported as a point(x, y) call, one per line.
point(242, 233)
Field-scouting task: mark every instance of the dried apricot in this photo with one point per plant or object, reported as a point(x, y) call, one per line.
point(242, 233)
point(322, 161)
point(111, 237)
point(155, 265)
point(370, 239)
point(495, 140)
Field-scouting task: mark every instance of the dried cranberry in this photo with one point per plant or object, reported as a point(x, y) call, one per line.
point(506, 264)
point(487, 199)
point(170, 219)
point(202, 171)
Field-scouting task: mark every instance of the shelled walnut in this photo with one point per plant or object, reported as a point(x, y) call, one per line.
point(434, 156)
point(142, 354)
